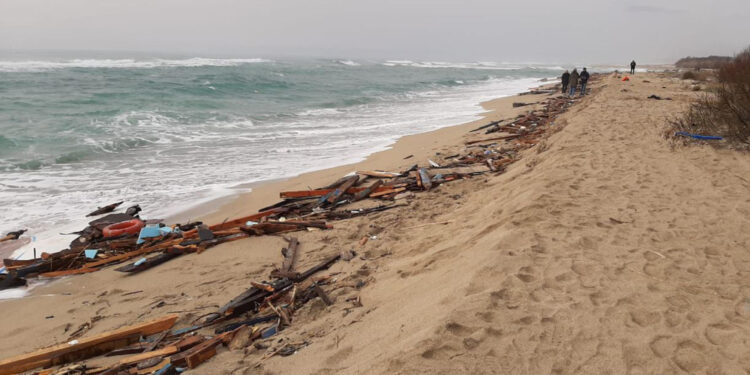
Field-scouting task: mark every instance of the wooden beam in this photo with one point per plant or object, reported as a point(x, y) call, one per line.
point(133, 359)
point(199, 353)
point(339, 192)
point(77, 271)
point(386, 192)
point(424, 178)
point(290, 256)
point(367, 191)
point(380, 174)
point(85, 347)
point(500, 138)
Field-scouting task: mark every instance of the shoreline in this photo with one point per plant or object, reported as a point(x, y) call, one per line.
point(208, 206)
point(262, 192)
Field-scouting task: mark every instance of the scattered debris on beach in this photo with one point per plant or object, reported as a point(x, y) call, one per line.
point(268, 306)
point(260, 312)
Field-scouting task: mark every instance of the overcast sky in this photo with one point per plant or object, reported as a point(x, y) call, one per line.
point(585, 31)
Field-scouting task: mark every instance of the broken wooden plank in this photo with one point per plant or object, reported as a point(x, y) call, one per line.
point(68, 272)
point(424, 178)
point(471, 169)
point(339, 192)
point(493, 123)
point(367, 191)
point(254, 297)
point(132, 254)
point(85, 347)
point(133, 359)
point(500, 138)
point(189, 342)
point(386, 192)
point(104, 210)
point(290, 255)
point(199, 353)
point(323, 296)
point(380, 174)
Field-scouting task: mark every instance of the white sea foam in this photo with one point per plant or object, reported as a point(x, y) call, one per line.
point(40, 65)
point(348, 62)
point(484, 65)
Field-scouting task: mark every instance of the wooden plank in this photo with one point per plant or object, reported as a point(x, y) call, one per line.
point(367, 191)
point(424, 177)
point(472, 169)
point(323, 192)
point(241, 221)
point(500, 138)
point(133, 359)
point(77, 271)
point(198, 352)
point(85, 347)
point(134, 253)
point(290, 256)
point(154, 368)
point(386, 192)
point(339, 192)
point(380, 174)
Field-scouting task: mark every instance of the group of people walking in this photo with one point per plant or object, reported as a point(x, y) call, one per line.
point(571, 81)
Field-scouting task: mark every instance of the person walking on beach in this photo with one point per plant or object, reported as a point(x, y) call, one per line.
point(584, 79)
point(632, 67)
point(565, 80)
point(573, 82)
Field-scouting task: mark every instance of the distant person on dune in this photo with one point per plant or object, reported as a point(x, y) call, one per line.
point(573, 82)
point(584, 79)
point(632, 67)
point(565, 80)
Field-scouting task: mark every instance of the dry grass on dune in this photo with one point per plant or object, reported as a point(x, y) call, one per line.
point(725, 110)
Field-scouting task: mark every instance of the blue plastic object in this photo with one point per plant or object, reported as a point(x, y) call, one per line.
point(149, 231)
point(269, 332)
point(698, 136)
point(91, 254)
point(164, 369)
point(139, 262)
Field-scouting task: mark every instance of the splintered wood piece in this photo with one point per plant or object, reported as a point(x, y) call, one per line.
point(322, 294)
point(471, 169)
point(424, 178)
point(380, 174)
point(339, 192)
point(86, 347)
point(366, 192)
point(387, 192)
point(135, 253)
point(78, 271)
point(500, 138)
point(169, 350)
point(291, 255)
point(199, 353)
point(189, 342)
point(262, 286)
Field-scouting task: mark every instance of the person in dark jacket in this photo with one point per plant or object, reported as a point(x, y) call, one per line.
point(565, 80)
point(632, 67)
point(584, 79)
point(573, 82)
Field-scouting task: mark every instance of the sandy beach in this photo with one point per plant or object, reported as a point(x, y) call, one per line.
point(607, 249)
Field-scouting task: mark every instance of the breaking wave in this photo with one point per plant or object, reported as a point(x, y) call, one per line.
point(39, 65)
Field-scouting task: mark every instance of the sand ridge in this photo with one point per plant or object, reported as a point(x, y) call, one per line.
point(605, 250)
